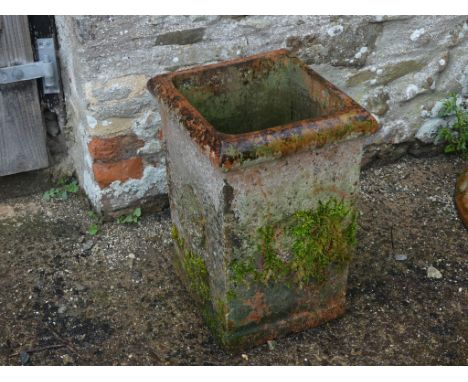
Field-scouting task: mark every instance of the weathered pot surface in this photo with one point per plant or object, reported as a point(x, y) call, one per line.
point(263, 160)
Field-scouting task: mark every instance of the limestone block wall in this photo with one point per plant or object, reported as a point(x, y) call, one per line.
point(399, 67)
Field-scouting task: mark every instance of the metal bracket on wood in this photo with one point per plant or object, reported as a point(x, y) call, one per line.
point(45, 68)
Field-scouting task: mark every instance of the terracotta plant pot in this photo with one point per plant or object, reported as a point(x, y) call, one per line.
point(461, 197)
point(263, 161)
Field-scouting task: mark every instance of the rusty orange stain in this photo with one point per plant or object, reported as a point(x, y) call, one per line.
point(259, 308)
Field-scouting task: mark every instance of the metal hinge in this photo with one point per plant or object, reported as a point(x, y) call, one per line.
point(45, 68)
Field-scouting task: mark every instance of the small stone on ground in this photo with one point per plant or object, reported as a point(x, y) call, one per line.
point(400, 257)
point(433, 273)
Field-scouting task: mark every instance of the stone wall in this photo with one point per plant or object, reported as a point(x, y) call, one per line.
point(399, 67)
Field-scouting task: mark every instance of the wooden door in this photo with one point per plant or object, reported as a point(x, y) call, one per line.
point(22, 130)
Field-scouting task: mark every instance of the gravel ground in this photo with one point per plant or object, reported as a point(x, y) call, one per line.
point(68, 298)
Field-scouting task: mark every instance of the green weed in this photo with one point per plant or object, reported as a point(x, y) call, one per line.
point(455, 135)
point(95, 226)
point(132, 218)
point(62, 190)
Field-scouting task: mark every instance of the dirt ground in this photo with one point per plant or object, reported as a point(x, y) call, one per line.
point(68, 298)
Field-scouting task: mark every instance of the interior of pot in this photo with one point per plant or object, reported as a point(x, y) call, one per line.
point(256, 95)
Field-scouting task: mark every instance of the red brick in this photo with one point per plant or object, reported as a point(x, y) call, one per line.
point(115, 148)
point(106, 173)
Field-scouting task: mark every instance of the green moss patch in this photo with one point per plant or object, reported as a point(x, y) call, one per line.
point(315, 240)
point(322, 238)
point(193, 271)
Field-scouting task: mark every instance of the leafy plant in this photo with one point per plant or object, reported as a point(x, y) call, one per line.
point(95, 226)
point(62, 190)
point(455, 134)
point(132, 218)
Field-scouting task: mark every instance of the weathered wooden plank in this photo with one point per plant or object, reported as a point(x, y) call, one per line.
point(22, 132)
